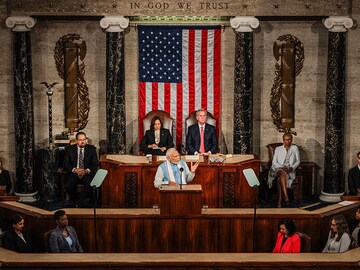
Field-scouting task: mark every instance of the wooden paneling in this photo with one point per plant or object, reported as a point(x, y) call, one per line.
point(217, 230)
point(132, 185)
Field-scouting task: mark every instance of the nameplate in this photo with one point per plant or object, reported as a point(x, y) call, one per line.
point(127, 159)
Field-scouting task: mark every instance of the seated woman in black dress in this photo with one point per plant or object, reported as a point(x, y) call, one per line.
point(16, 238)
point(156, 140)
point(5, 179)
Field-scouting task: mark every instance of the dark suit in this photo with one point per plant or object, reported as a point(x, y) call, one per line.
point(58, 243)
point(91, 162)
point(193, 139)
point(14, 242)
point(354, 180)
point(5, 180)
point(166, 141)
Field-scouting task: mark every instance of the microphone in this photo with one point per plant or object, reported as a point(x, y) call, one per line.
point(181, 171)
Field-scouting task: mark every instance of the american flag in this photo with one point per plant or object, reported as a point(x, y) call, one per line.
point(179, 72)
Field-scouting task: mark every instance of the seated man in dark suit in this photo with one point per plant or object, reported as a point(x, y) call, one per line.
point(81, 163)
point(354, 178)
point(201, 137)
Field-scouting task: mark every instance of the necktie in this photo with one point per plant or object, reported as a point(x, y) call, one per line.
point(202, 141)
point(81, 159)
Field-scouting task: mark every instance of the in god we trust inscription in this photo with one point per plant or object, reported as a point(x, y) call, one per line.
point(180, 5)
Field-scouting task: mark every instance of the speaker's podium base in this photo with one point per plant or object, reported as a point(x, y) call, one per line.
point(176, 201)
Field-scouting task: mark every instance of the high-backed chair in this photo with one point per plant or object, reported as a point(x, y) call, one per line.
point(164, 116)
point(305, 242)
point(45, 240)
point(297, 183)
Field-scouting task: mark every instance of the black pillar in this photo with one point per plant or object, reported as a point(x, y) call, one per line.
point(335, 114)
point(24, 116)
point(243, 93)
point(115, 93)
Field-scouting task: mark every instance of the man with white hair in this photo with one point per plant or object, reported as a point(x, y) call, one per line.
point(174, 171)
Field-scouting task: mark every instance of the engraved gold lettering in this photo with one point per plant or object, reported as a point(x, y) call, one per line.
point(214, 6)
point(184, 5)
point(158, 5)
point(134, 5)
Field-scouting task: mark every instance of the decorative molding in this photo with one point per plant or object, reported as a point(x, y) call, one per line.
point(338, 23)
point(20, 23)
point(244, 23)
point(323, 8)
point(114, 23)
point(223, 20)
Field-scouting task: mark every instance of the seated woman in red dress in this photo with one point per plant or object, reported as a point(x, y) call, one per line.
point(287, 241)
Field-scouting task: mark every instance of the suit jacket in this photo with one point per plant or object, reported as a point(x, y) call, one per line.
point(278, 162)
point(291, 245)
point(14, 242)
point(166, 141)
point(58, 243)
point(91, 161)
point(354, 180)
point(5, 180)
point(193, 139)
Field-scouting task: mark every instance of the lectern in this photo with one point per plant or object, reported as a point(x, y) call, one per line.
point(176, 201)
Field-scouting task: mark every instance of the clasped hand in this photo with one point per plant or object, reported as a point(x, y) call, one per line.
point(81, 171)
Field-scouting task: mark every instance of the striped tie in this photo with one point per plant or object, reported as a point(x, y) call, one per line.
point(81, 159)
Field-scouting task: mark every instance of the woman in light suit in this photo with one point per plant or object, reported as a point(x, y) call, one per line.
point(156, 140)
point(63, 239)
point(285, 161)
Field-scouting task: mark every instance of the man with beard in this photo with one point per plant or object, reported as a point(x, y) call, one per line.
point(174, 171)
point(81, 163)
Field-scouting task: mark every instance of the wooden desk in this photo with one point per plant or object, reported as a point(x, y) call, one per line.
point(176, 201)
point(131, 185)
point(349, 260)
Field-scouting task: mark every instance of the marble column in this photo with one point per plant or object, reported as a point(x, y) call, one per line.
point(243, 88)
point(335, 108)
point(23, 100)
point(115, 83)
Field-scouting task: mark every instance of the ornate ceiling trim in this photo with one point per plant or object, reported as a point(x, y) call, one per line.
point(180, 8)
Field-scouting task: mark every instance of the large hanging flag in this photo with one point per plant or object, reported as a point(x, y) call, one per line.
point(179, 72)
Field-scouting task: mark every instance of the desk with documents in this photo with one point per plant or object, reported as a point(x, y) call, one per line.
point(130, 181)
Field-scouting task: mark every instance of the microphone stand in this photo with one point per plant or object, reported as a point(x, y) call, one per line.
point(181, 178)
point(95, 230)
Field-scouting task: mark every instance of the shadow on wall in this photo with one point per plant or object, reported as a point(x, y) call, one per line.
point(318, 151)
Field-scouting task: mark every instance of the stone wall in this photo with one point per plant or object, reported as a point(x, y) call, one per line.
point(309, 100)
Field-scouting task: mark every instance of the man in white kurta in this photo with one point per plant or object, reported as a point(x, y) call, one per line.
point(285, 161)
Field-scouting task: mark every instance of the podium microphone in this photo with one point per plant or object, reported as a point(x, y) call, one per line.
point(181, 178)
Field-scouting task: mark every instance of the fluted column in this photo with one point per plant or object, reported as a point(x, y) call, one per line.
point(335, 108)
point(115, 86)
point(23, 102)
point(243, 88)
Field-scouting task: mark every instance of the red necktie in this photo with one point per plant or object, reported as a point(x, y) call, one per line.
point(202, 141)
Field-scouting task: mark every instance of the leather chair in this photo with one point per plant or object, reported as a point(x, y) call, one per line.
point(305, 242)
point(296, 186)
point(164, 116)
point(46, 245)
